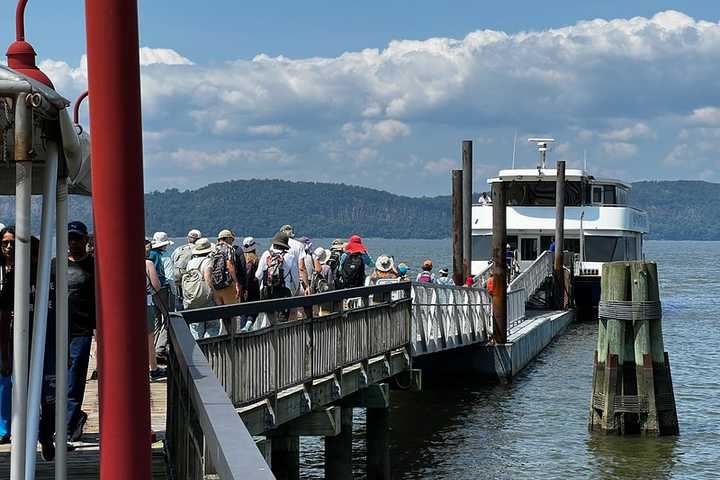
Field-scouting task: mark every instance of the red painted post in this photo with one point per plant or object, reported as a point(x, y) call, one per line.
point(117, 184)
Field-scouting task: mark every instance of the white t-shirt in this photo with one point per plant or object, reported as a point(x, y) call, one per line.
point(290, 266)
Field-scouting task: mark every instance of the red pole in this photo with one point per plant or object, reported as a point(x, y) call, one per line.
point(117, 184)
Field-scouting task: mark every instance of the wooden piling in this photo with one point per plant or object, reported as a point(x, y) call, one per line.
point(558, 271)
point(338, 449)
point(378, 443)
point(632, 384)
point(499, 242)
point(467, 187)
point(285, 456)
point(457, 229)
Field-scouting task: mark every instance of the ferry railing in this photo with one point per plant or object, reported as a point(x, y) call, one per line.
point(516, 300)
point(205, 437)
point(446, 317)
point(340, 328)
point(480, 280)
point(532, 277)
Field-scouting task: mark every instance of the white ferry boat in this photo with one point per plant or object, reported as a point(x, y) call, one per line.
point(600, 226)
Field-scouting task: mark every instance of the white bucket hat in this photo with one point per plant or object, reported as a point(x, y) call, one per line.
point(384, 263)
point(160, 239)
point(321, 254)
point(194, 233)
point(249, 244)
point(202, 246)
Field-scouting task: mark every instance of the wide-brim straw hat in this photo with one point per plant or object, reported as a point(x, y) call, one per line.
point(160, 239)
point(202, 246)
point(321, 254)
point(384, 263)
point(355, 245)
point(225, 233)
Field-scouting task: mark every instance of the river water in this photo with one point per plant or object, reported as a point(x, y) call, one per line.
point(536, 426)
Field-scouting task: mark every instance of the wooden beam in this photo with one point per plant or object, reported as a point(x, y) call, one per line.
point(374, 396)
point(321, 423)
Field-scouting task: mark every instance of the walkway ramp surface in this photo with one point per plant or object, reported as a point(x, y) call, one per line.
point(83, 463)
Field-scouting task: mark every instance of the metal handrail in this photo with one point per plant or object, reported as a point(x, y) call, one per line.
point(481, 278)
point(532, 277)
point(516, 308)
point(204, 434)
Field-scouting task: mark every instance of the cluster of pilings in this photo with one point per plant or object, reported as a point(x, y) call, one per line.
point(335, 424)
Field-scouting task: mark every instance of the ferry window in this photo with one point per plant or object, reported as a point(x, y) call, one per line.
point(609, 195)
point(482, 247)
point(571, 245)
point(604, 249)
point(631, 248)
point(622, 195)
point(545, 242)
point(597, 195)
point(542, 194)
point(528, 248)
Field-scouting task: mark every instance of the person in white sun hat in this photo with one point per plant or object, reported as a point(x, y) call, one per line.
point(158, 247)
point(180, 258)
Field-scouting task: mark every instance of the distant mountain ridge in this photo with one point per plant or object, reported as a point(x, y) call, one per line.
point(678, 210)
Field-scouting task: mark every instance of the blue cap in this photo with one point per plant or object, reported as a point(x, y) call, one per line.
point(77, 227)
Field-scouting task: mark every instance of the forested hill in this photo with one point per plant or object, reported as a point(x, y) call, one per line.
point(679, 210)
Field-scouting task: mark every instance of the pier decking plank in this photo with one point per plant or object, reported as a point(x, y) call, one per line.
point(83, 463)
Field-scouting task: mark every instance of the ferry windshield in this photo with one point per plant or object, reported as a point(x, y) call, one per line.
point(610, 249)
point(530, 194)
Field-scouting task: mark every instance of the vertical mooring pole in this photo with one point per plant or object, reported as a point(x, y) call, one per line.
point(117, 184)
point(467, 195)
point(558, 270)
point(457, 227)
point(499, 241)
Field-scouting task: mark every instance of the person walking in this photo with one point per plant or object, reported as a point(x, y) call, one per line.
point(159, 244)
point(252, 292)
point(180, 258)
point(444, 278)
point(384, 272)
point(226, 286)
point(353, 263)
point(403, 272)
point(323, 276)
point(7, 292)
point(297, 250)
point(277, 269)
point(152, 286)
point(197, 288)
point(426, 275)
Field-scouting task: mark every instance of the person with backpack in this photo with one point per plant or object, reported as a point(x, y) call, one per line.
point(159, 244)
point(353, 262)
point(152, 286)
point(337, 249)
point(384, 272)
point(197, 287)
point(225, 283)
point(277, 270)
point(252, 290)
point(426, 275)
point(444, 278)
point(180, 258)
point(323, 278)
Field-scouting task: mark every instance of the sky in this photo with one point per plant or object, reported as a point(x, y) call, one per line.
point(381, 94)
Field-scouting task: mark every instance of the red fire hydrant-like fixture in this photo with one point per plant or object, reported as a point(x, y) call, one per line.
point(21, 55)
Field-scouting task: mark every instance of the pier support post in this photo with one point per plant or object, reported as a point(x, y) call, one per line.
point(378, 443)
point(632, 384)
point(558, 270)
point(499, 242)
point(285, 456)
point(467, 180)
point(338, 449)
point(457, 227)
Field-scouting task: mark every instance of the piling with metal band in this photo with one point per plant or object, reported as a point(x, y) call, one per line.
point(117, 184)
point(467, 186)
point(558, 271)
point(457, 229)
point(499, 242)
point(632, 383)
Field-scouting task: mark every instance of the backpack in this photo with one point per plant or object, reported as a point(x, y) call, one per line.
point(353, 271)
point(318, 283)
point(425, 277)
point(195, 290)
point(220, 274)
point(274, 275)
point(180, 258)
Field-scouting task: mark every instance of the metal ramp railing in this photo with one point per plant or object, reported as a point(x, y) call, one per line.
point(532, 277)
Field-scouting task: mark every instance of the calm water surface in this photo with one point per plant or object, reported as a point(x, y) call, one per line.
point(535, 427)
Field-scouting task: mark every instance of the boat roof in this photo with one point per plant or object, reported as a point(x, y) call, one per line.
point(549, 174)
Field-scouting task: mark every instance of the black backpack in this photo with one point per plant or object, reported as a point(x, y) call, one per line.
point(274, 275)
point(353, 271)
point(220, 274)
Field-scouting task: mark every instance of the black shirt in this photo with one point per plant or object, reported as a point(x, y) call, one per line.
point(81, 296)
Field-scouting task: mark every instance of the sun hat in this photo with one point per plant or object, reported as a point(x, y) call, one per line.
point(202, 246)
point(248, 244)
point(194, 233)
point(321, 254)
point(337, 244)
point(402, 268)
point(444, 271)
point(2, 225)
point(281, 240)
point(225, 233)
point(289, 230)
point(427, 264)
point(384, 263)
point(160, 239)
point(355, 245)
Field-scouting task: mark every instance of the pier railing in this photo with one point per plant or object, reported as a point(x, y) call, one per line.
point(532, 277)
point(446, 317)
point(516, 307)
point(340, 328)
point(205, 437)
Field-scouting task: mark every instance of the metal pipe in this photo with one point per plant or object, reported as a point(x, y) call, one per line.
point(40, 317)
point(76, 109)
point(467, 157)
point(20, 20)
point(558, 272)
point(114, 85)
point(41, 105)
point(14, 87)
point(457, 228)
point(499, 241)
point(61, 324)
point(21, 315)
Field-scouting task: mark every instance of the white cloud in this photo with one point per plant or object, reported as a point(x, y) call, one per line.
point(162, 56)
point(706, 116)
point(375, 133)
point(442, 165)
point(619, 150)
point(633, 132)
point(199, 160)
